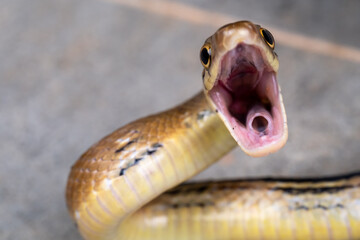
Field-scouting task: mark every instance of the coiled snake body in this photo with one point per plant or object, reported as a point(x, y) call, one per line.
point(116, 189)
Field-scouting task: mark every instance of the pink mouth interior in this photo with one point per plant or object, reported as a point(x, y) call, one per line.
point(247, 94)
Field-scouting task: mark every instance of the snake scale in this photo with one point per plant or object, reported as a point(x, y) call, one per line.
point(119, 188)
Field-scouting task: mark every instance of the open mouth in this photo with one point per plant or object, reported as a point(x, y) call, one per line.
point(247, 96)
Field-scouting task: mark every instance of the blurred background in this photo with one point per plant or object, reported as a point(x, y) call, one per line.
point(72, 71)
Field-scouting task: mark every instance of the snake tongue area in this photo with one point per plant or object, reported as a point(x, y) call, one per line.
point(248, 99)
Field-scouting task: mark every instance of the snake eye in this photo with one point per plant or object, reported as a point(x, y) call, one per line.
point(268, 37)
point(205, 56)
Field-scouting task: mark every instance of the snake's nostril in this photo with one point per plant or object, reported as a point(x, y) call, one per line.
point(259, 124)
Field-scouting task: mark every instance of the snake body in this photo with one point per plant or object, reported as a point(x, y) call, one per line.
point(116, 189)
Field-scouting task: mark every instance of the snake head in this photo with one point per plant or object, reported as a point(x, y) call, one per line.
point(240, 82)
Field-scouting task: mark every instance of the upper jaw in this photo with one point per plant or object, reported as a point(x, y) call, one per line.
point(248, 99)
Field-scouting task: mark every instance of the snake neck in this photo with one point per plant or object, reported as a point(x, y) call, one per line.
point(139, 161)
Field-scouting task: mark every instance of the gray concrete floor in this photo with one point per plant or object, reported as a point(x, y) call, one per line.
point(72, 71)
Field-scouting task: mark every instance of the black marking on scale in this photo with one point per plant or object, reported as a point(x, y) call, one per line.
point(126, 145)
point(122, 171)
point(318, 206)
point(312, 190)
point(148, 152)
point(192, 204)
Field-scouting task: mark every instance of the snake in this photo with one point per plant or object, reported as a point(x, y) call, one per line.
point(129, 184)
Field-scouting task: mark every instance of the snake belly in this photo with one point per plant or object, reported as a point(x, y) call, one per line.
point(119, 188)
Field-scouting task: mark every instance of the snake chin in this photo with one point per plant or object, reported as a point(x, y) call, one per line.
point(248, 100)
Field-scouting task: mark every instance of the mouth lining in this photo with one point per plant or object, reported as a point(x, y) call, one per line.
point(247, 96)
